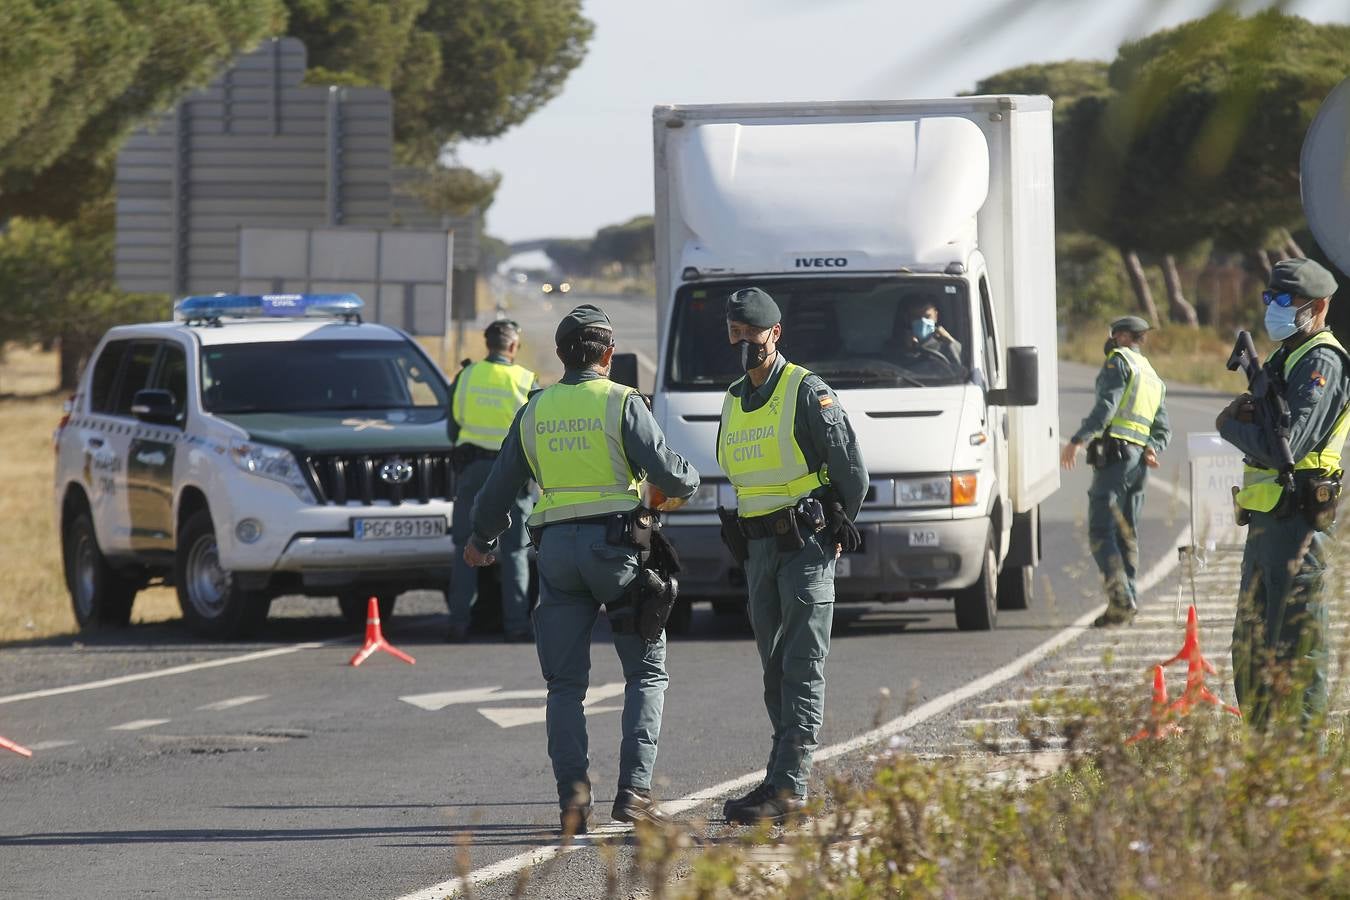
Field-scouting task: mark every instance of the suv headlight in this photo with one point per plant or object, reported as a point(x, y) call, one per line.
point(952, 489)
point(275, 463)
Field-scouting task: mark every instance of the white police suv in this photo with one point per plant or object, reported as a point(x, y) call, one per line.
point(255, 446)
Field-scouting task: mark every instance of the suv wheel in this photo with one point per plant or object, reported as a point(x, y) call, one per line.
point(354, 605)
point(98, 594)
point(213, 604)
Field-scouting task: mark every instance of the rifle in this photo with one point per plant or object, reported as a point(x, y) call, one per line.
point(1271, 409)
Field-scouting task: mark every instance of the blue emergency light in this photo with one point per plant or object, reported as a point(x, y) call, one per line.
point(212, 308)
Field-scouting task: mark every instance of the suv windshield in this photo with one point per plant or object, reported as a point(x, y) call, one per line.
point(308, 376)
point(853, 332)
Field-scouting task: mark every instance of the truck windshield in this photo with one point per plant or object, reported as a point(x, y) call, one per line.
point(856, 332)
point(314, 376)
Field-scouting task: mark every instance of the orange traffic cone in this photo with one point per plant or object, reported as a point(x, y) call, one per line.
point(6, 744)
point(1158, 725)
point(375, 639)
point(1196, 666)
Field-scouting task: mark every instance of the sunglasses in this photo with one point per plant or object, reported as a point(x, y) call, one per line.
point(1282, 299)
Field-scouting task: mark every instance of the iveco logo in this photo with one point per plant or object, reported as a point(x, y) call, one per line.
point(396, 471)
point(821, 262)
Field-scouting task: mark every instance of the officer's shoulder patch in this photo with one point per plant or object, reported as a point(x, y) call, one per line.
point(824, 399)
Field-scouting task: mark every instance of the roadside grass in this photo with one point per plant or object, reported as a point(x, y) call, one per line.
point(33, 599)
point(1182, 355)
point(1213, 811)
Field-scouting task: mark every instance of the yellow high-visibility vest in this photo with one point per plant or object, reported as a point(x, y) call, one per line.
point(1139, 404)
point(572, 435)
point(1260, 488)
point(758, 452)
point(487, 396)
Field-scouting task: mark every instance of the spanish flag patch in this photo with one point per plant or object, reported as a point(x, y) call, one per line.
point(1319, 379)
point(825, 400)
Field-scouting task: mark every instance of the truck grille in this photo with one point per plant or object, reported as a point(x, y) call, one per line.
point(341, 478)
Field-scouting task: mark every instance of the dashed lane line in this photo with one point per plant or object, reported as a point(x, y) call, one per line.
point(139, 724)
point(51, 745)
point(165, 673)
point(938, 705)
point(232, 702)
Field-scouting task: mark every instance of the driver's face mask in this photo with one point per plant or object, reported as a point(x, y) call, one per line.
point(924, 328)
point(752, 354)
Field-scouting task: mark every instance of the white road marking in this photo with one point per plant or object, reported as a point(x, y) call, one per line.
point(510, 717)
point(164, 673)
point(932, 708)
point(232, 702)
point(51, 745)
point(441, 699)
point(138, 724)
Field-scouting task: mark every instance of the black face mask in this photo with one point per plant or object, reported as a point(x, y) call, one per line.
point(1109, 346)
point(752, 354)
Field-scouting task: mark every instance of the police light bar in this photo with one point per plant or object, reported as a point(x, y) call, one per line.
point(214, 307)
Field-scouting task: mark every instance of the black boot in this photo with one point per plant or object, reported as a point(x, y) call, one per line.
point(768, 805)
point(574, 816)
point(636, 805)
point(1116, 615)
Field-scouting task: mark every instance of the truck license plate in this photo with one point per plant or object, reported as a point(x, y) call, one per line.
point(923, 538)
point(398, 528)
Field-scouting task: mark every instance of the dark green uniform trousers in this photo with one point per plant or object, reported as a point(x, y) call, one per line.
point(791, 611)
point(1280, 634)
point(578, 571)
point(513, 555)
point(1114, 502)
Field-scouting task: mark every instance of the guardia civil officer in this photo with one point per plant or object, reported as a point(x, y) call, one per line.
point(1280, 631)
point(588, 442)
point(484, 400)
point(787, 447)
point(1128, 428)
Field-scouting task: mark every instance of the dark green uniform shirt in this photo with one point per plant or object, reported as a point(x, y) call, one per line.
point(643, 444)
point(1316, 391)
point(451, 426)
point(1111, 382)
point(822, 431)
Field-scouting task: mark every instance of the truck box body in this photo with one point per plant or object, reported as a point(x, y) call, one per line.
point(854, 215)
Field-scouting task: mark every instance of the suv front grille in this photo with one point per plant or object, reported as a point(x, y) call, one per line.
point(342, 478)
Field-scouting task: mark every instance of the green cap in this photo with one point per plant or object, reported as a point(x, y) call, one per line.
point(1304, 277)
point(1130, 323)
point(584, 316)
point(753, 307)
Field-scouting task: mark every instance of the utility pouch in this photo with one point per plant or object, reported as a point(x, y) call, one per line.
point(631, 529)
point(1094, 452)
point(1318, 499)
point(786, 534)
point(732, 536)
point(461, 456)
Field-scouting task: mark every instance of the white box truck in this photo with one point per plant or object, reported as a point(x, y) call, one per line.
point(858, 217)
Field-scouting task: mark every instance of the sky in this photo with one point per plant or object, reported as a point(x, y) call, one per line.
point(584, 160)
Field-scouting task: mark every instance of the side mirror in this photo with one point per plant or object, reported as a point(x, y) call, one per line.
point(624, 369)
point(155, 407)
point(1023, 380)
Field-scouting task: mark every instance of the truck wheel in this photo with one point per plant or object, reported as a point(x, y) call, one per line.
point(214, 605)
point(977, 605)
point(354, 605)
point(1016, 587)
point(99, 596)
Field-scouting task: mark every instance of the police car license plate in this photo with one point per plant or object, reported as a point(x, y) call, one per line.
point(923, 537)
point(398, 528)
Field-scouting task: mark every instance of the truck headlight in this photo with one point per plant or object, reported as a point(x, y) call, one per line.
point(953, 489)
point(275, 463)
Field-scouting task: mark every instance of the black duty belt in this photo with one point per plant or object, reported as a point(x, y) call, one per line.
point(775, 524)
